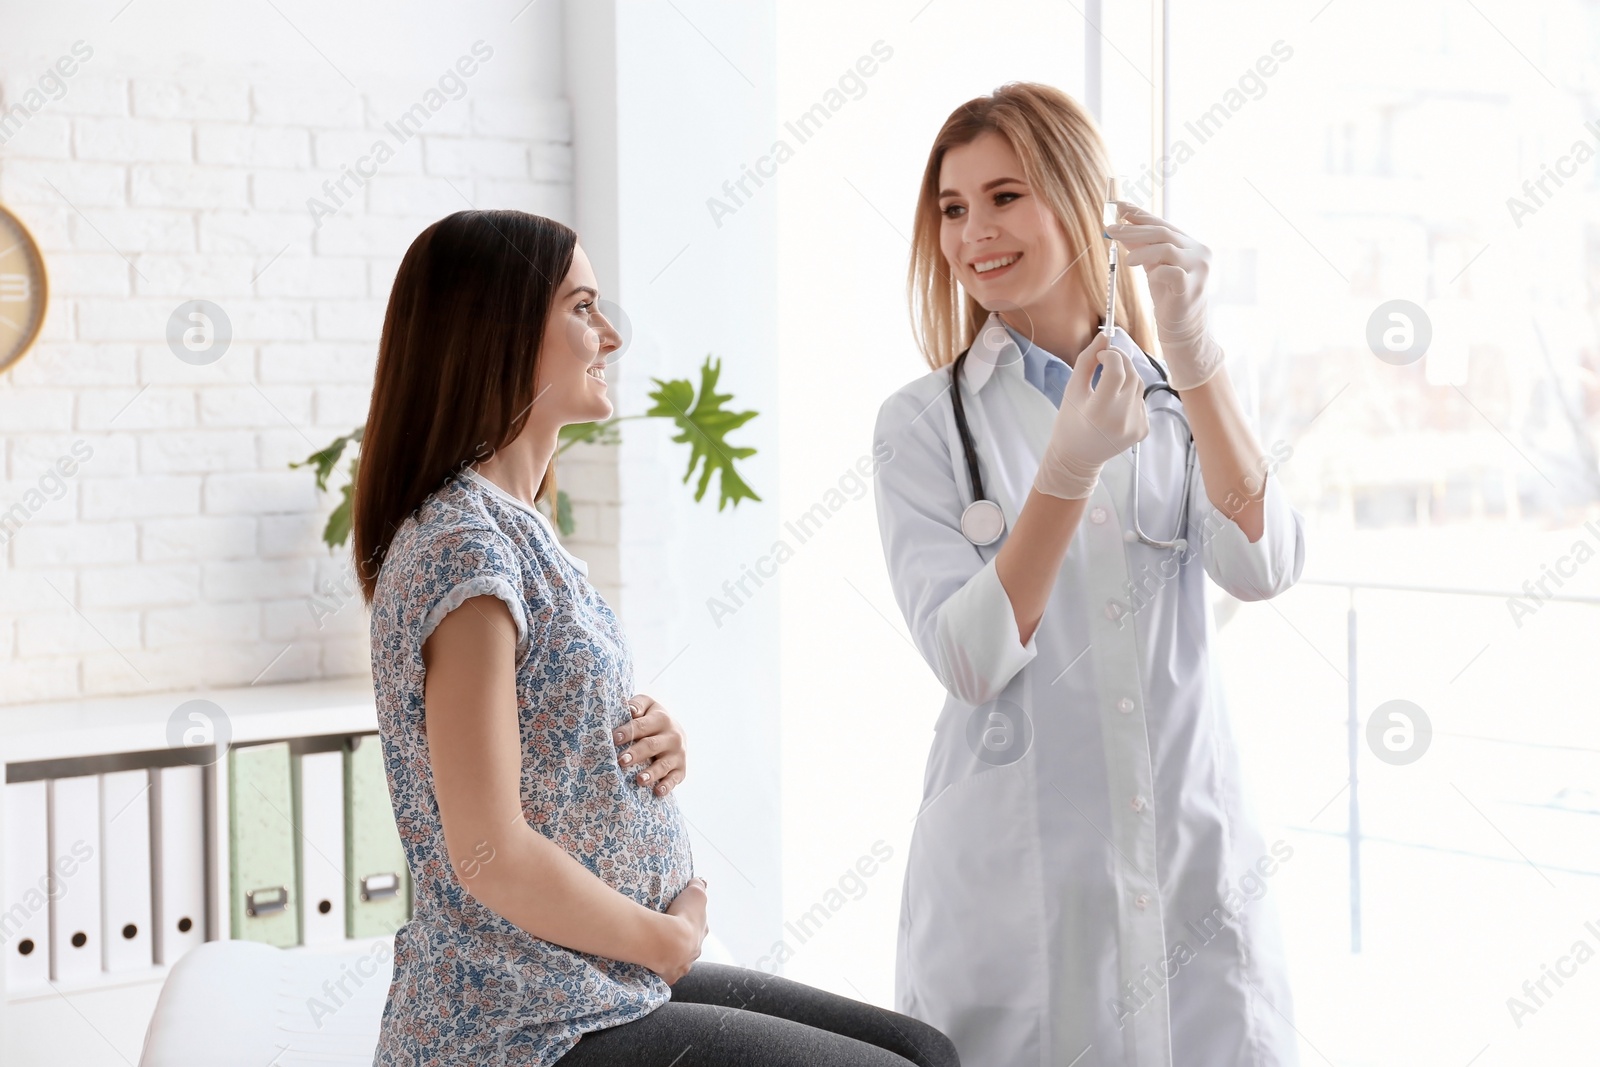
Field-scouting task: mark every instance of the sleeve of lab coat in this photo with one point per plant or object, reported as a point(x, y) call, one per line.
point(1249, 570)
point(958, 612)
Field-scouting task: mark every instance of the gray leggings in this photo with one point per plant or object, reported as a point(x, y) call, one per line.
point(722, 1016)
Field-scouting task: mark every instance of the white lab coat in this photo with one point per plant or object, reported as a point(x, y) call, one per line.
point(1062, 907)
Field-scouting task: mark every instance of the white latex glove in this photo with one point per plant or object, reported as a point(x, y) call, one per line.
point(1177, 267)
point(1094, 424)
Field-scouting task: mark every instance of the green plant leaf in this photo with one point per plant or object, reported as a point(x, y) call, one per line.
point(703, 424)
point(598, 433)
point(564, 521)
point(325, 459)
point(337, 531)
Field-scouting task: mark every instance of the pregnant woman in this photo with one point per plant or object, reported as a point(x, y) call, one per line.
point(556, 916)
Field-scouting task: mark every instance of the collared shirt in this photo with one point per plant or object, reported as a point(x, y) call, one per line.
point(1045, 371)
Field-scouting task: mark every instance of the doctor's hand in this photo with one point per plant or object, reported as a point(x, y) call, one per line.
point(1177, 267)
point(1095, 422)
point(657, 749)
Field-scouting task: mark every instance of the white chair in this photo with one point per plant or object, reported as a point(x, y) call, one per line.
point(245, 1004)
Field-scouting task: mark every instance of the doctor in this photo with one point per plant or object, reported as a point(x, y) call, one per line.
point(1084, 885)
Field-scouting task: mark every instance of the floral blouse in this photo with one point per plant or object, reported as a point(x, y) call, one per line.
point(470, 986)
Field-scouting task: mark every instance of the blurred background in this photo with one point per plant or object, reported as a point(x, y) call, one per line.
point(1401, 205)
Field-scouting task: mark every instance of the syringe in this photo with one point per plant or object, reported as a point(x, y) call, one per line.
point(1108, 217)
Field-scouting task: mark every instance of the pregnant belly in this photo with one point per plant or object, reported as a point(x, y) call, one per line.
point(638, 845)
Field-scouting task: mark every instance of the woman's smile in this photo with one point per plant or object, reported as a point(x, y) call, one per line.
point(993, 267)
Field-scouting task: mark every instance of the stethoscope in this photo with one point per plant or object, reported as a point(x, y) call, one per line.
point(982, 521)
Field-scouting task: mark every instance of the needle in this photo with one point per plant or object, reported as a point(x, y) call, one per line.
point(1108, 217)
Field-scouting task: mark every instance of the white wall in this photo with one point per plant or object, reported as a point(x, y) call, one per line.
point(177, 165)
point(859, 703)
point(670, 99)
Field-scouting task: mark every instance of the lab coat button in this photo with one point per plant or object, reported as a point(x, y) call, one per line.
point(1125, 705)
point(1141, 901)
point(1097, 516)
point(1137, 803)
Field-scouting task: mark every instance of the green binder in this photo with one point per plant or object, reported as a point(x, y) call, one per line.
point(261, 868)
point(378, 900)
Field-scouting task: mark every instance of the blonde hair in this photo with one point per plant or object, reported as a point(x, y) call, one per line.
point(1064, 161)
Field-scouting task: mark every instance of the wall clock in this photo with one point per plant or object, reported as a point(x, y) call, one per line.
point(24, 290)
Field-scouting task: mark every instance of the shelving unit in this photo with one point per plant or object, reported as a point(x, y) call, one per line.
point(102, 1020)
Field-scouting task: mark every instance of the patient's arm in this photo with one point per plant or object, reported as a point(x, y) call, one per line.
point(475, 750)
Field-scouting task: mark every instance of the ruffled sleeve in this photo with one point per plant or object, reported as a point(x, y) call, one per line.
point(455, 565)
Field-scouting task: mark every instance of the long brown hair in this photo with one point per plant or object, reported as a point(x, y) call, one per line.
point(1064, 160)
point(456, 364)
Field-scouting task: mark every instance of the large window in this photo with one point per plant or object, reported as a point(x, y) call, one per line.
point(1398, 201)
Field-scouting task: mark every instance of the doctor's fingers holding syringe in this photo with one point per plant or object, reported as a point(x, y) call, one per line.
point(1096, 422)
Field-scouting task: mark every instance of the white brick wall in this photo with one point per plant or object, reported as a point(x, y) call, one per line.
point(183, 552)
